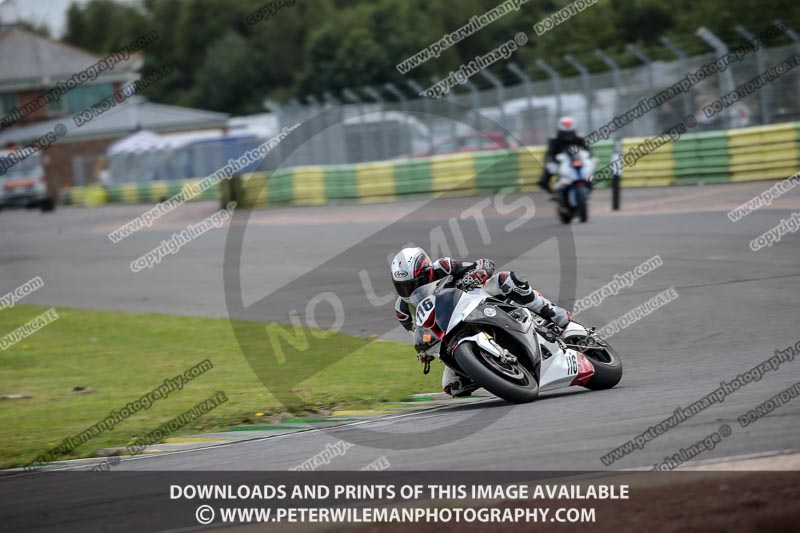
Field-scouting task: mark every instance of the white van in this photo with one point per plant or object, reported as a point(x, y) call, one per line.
point(22, 184)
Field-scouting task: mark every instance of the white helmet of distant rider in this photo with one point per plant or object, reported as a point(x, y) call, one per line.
point(566, 124)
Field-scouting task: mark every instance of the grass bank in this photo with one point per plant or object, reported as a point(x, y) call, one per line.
point(87, 363)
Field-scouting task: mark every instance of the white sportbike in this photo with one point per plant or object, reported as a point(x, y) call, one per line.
point(504, 347)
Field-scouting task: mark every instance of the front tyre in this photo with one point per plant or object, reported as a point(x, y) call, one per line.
point(564, 210)
point(509, 381)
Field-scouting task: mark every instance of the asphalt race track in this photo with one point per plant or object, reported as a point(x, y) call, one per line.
point(735, 308)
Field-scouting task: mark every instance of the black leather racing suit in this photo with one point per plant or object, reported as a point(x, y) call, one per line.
point(565, 141)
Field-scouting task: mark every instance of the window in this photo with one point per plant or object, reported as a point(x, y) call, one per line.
point(57, 107)
point(476, 142)
point(79, 98)
point(446, 147)
point(8, 101)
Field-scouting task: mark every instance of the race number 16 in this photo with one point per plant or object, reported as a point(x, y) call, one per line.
point(424, 309)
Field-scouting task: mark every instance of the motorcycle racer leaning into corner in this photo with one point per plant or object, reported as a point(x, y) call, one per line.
point(412, 268)
point(566, 139)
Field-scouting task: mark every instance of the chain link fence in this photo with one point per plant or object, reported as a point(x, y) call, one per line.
point(394, 123)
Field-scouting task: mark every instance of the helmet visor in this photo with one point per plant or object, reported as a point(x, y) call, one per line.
point(406, 287)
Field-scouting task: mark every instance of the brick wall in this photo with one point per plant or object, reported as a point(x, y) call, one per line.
point(58, 166)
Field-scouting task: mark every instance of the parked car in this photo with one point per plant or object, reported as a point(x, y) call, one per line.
point(472, 142)
point(22, 184)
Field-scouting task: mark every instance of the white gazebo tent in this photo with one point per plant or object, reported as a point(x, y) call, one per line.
point(136, 157)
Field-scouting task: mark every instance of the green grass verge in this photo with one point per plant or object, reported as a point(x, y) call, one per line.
point(121, 356)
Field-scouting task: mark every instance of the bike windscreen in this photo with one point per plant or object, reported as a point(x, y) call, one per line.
point(426, 290)
point(420, 294)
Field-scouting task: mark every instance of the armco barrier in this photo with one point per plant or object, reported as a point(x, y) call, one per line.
point(130, 193)
point(763, 152)
point(701, 157)
point(657, 168)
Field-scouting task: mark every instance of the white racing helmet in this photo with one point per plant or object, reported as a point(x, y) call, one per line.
point(566, 124)
point(411, 268)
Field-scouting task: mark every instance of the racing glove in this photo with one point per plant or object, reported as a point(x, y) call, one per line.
point(482, 271)
point(473, 279)
point(485, 264)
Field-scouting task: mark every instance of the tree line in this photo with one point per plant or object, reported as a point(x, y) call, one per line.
point(307, 47)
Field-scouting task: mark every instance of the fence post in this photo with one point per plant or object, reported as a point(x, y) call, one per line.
point(791, 34)
point(278, 110)
point(587, 88)
point(372, 93)
point(340, 153)
point(615, 73)
point(686, 96)
point(397, 93)
point(542, 64)
point(319, 106)
point(616, 157)
point(501, 96)
point(722, 49)
point(476, 104)
point(644, 58)
point(616, 177)
point(354, 98)
point(299, 115)
point(450, 108)
point(426, 102)
point(763, 93)
point(526, 82)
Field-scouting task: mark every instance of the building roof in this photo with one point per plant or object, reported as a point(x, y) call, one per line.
point(133, 114)
point(30, 60)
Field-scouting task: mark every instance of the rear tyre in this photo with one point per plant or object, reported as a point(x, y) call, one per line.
point(582, 198)
point(511, 382)
point(605, 360)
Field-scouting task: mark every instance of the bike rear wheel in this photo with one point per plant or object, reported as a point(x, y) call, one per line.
point(604, 358)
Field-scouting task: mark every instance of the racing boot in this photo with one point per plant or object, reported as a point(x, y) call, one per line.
point(516, 288)
point(457, 385)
